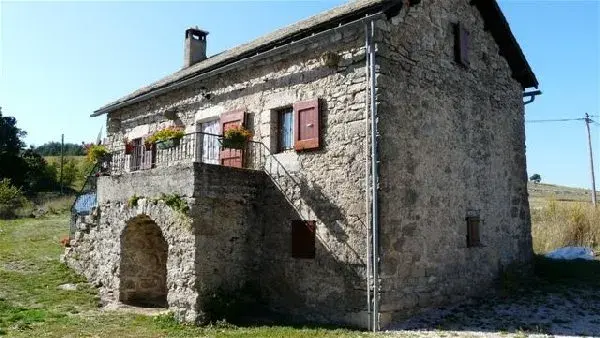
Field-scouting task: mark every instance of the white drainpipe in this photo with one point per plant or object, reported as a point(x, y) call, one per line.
point(373, 267)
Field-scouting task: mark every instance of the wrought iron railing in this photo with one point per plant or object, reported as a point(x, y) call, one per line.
point(193, 147)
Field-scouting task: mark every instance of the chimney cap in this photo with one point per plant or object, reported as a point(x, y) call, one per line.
point(195, 31)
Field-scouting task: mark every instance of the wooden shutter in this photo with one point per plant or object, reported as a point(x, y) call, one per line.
point(147, 157)
point(135, 158)
point(232, 157)
point(306, 125)
point(303, 239)
point(461, 44)
point(473, 231)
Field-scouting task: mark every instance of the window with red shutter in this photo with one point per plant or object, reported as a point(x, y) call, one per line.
point(461, 44)
point(473, 239)
point(307, 125)
point(303, 239)
point(135, 159)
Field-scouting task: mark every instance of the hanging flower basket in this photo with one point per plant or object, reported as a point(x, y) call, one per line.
point(168, 143)
point(236, 138)
point(148, 146)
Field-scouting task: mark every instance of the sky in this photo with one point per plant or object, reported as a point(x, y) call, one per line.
point(59, 61)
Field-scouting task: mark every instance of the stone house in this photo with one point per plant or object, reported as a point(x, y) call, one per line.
point(386, 171)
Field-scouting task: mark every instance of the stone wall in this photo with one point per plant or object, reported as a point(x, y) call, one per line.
point(452, 140)
point(327, 184)
point(96, 252)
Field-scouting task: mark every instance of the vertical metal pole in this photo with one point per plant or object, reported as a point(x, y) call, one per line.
point(374, 180)
point(367, 171)
point(62, 160)
point(587, 127)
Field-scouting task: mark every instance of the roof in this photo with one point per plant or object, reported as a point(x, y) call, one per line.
point(491, 13)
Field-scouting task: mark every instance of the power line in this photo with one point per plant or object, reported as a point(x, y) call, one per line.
point(587, 121)
point(555, 120)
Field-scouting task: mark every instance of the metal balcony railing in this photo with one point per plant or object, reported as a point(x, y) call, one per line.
point(193, 147)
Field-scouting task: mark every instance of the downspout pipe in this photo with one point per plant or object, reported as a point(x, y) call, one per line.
point(374, 177)
point(367, 176)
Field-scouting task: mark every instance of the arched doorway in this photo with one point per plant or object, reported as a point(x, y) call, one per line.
point(143, 267)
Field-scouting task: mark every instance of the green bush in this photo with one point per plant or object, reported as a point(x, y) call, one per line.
point(11, 198)
point(175, 202)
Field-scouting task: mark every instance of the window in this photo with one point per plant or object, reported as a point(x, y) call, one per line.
point(141, 157)
point(303, 239)
point(135, 161)
point(461, 44)
point(473, 222)
point(285, 129)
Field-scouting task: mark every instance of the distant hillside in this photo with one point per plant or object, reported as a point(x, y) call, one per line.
point(539, 193)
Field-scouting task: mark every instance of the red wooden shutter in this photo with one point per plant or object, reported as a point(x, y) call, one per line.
point(306, 125)
point(473, 231)
point(303, 239)
point(149, 157)
point(461, 44)
point(232, 157)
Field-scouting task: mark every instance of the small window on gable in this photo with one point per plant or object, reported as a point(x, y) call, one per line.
point(285, 129)
point(461, 44)
point(303, 239)
point(473, 223)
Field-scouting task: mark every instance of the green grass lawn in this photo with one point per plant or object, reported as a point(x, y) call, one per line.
point(32, 306)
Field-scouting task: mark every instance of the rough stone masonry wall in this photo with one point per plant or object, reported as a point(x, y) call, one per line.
point(214, 248)
point(331, 189)
point(452, 139)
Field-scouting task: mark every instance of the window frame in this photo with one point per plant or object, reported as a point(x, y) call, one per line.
point(136, 159)
point(473, 236)
point(281, 112)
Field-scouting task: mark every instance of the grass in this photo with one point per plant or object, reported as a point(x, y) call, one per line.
point(32, 306)
point(558, 224)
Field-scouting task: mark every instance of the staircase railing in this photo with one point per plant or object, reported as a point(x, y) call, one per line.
point(295, 194)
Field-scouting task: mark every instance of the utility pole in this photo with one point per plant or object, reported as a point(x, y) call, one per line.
point(587, 126)
point(62, 160)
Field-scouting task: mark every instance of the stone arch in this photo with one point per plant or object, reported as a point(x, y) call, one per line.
point(143, 264)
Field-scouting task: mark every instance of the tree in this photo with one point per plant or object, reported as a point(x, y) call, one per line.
point(39, 176)
point(535, 178)
point(11, 164)
point(53, 149)
point(70, 173)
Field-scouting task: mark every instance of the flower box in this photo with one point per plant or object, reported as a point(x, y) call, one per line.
point(168, 143)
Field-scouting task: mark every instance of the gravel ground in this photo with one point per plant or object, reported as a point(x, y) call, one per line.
point(554, 312)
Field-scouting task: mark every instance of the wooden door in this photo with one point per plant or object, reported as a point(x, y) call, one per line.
point(232, 157)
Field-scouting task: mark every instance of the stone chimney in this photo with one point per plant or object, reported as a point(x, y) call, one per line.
point(195, 46)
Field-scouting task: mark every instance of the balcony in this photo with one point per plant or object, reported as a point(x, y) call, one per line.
point(191, 148)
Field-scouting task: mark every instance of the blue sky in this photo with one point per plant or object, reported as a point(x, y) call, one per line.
point(59, 61)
